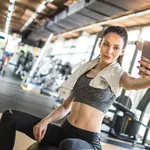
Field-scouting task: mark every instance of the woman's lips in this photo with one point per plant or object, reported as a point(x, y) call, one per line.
point(108, 57)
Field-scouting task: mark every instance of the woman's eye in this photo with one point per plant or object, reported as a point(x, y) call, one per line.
point(116, 48)
point(105, 44)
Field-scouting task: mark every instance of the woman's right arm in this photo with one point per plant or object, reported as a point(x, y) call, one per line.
point(40, 128)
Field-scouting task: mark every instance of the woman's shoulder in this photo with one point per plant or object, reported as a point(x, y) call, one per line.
point(115, 70)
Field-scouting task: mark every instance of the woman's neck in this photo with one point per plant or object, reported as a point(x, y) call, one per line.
point(101, 64)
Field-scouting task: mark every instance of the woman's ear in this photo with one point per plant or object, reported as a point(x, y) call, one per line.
point(122, 53)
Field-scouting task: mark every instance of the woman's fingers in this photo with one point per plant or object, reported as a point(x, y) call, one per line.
point(145, 59)
point(144, 70)
point(144, 67)
point(35, 132)
point(145, 63)
point(39, 131)
point(43, 134)
point(39, 135)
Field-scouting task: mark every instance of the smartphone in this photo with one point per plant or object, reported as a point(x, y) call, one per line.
point(146, 50)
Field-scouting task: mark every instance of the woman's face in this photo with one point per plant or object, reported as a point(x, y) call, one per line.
point(15, 36)
point(111, 47)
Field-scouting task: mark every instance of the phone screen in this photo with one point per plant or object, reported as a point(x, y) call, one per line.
point(146, 49)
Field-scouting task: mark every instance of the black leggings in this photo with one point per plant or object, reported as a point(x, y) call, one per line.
point(65, 137)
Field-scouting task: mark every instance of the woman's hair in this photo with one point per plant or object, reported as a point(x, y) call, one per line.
point(122, 32)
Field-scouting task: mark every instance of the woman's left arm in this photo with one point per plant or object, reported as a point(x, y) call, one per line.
point(130, 83)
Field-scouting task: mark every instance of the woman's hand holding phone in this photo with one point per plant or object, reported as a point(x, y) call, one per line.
point(144, 67)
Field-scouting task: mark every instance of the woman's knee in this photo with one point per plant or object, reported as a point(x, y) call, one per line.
point(6, 116)
point(67, 144)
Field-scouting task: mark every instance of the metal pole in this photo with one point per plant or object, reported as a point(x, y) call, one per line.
point(92, 53)
point(146, 133)
point(96, 40)
point(32, 72)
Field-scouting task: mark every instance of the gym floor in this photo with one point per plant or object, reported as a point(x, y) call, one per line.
point(12, 96)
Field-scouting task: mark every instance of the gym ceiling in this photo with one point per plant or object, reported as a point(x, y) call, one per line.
point(59, 16)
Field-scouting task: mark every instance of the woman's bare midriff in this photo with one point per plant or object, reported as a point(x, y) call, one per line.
point(85, 117)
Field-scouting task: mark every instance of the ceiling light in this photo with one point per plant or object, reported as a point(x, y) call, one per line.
point(132, 15)
point(105, 22)
point(30, 21)
point(44, 2)
point(7, 27)
point(143, 12)
point(6, 30)
point(8, 22)
point(12, 1)
point(40, 8)
point(22, 28)
point(119, 19)
point(50, 0)
point(11, 8)
point(34, 15)
point(8, 19)
point(26, 24)
point(9, 14)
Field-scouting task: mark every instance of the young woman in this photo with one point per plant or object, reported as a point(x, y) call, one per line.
point(9, 51)
point(88, 94)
